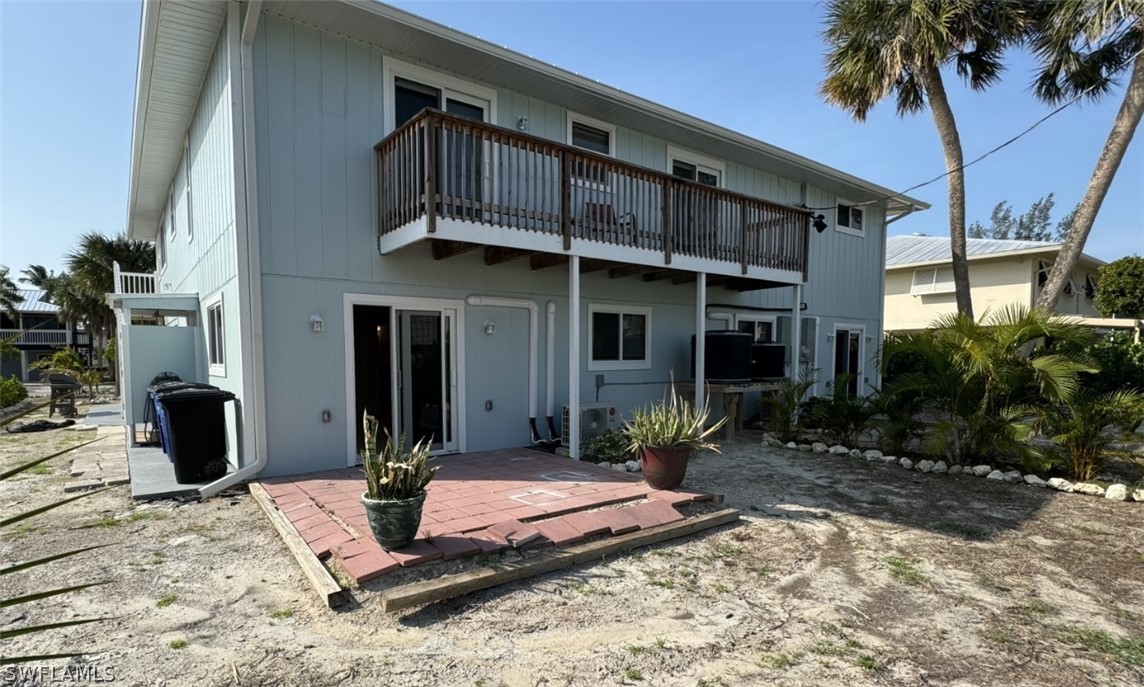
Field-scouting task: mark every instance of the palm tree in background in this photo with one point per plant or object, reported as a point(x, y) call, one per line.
point(1083, 45)
point(81, 292)
point(9, 295)
point(38, 276)
point(877, 49)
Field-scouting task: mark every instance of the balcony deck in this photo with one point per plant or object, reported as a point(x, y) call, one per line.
point(469, 184)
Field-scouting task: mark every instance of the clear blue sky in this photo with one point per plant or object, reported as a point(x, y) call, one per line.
point(69, 68)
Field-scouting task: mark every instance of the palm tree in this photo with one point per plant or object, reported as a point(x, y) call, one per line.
point(1087, 426)
point(9, 294)
point(81, 292)
point(38, 276)
point(883, 48)
point(1083, 45)
point(978, 376)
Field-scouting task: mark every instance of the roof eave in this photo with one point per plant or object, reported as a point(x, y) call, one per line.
point(148, 29)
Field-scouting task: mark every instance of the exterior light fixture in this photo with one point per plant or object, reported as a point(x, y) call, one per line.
point(819, 223)
point(522, 123)
point(316, 323)
point(490, 328)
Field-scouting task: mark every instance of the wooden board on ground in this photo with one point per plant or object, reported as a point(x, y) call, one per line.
point(449, 586)
point(323, 582)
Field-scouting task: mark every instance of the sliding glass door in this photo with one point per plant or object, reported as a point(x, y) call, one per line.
point(425, 349)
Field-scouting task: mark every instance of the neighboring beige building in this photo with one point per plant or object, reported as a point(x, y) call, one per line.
point(919, 280)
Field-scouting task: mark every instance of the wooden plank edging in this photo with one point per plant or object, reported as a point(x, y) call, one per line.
point(419, 593)
point(323, 582)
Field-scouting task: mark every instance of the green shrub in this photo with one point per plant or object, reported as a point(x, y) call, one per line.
point(1121, 363)
point(894, 417)
point(1085, 427)
point(782, 406)
point(609, 447)
point(1120, 291)
point(12, 391)
point(841, 416)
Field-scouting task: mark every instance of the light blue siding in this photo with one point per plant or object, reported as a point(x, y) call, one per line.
point(319, 109)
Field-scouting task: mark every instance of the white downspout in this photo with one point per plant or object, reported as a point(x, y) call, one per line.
point(701, 342)
point(533, 344)
point(250, 271)
point(574, 357)
point(550, 372)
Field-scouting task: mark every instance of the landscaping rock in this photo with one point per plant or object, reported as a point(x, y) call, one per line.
point(1034, 481)
point(632, 466)
point(996, 474)
point(955, 469)
point(1088, 488)
point(906, 463)
point(818, 447)
point(805, 448)
point(940, 468)
point(1138, 495)
point(889, 460)
point(1060, 484)
point(619, 467)
point(924, 465)
point(1012, 476)
point(838, 450)
point(791, 445)
point(872, 454)
point(981, 470)
point(1116, 492)
point(855, 453)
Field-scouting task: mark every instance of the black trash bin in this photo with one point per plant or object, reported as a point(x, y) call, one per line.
point(158, 430)
point(196, 421)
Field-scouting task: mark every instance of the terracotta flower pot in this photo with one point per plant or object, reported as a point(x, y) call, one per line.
point(664, 467)
point(394, 523)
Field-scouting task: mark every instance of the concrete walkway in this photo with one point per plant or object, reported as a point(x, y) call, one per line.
point(104, 462)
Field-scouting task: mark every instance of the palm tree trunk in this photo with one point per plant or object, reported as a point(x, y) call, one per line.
point(951, 145)
point(1111, 156)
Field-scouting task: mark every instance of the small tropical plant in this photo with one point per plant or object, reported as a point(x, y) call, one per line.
point(841, 416)
point(12, 391)
point(673, 422)
point(894, 416)
point(24, 565)
point(67, 361)
point(1086, 426)
point(396, 473)
point(782, 406)
point(611, 446)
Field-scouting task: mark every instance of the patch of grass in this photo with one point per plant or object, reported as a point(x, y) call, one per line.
point(177, 644)
point(764, 571)
point(282, 614)
point(666, 553)
point(1035, 609)
point(41, 469)
point(904, 571)
point(137, 515)
point(166, 601)
point(720, 588)
point(661, 643)
point(20, 530)
point(637, 649)
point(655, 580)
point(158, 558)
point(870, 663)
point(997, 635)
point(781, 660)
point(726, 549)
point(107, 521)
point(1128, 651)
point(632, 674)
point(826, 647)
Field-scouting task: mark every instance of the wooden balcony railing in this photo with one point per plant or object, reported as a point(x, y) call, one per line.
point(491, 175)
point(133, 282)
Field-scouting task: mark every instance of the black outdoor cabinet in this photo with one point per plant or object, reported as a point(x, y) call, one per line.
point(196, 420)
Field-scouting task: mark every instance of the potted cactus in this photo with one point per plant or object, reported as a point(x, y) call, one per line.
point(666, 435)
point(395, 485)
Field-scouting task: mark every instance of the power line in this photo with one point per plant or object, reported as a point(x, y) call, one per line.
point(1012, 140)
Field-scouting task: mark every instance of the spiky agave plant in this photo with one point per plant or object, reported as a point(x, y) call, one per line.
point(394, 473)
point(673, 422)
point(22, 566)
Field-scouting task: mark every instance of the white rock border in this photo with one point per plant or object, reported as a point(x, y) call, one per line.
point(1113, 492)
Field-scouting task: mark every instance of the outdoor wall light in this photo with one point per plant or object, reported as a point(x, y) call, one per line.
point(316, 323)
point(490, 328)
point(522, 123)
point(819, 223)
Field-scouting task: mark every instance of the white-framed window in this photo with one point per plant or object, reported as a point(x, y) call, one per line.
point(1045, 269)
point(216, 337)
point(849, 218)
point(595, 136)
point(619, 337)
point(692, 166)
point(171, 205)
point(1090, 286)
point(761, 327)
point(187, 192)
point(409, 88)
point(161, 246)
point(929, 280)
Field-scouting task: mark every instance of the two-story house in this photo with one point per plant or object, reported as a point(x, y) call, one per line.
point(919, 280)
point(359, 209)
point(38, 332)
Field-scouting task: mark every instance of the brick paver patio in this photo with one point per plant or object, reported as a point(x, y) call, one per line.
point(478, 503)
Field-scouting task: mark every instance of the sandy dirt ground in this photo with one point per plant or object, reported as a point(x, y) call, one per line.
point(841, 573)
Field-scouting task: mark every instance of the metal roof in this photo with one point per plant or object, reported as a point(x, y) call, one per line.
point(34, 303)
point(434, 45)
point(914, 250)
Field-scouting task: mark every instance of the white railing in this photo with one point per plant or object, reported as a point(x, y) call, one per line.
point(133, 282)
point(36, 336)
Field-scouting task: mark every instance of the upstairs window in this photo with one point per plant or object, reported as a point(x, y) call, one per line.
point(930, 280)
point(593, 136)
point(1089, 286)
point(850, 219)
point(619, 337)
point(695, 167)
